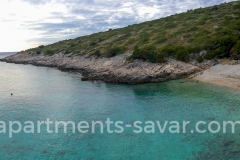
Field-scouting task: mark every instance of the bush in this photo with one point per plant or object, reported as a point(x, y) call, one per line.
point(214, 8)
point(201, 22)
point(168, 50)
point(236, 6)
point(160, 40)
point(130, 41)
point(125, 36)
point(225, 45)
point(146, 53)
point(113, 52)
point(170, 25)
point(143, 40)
point(160, 57)
point(182, 55)
point(221, 47)
point(196, 49)
point(73, 45)
point(235, 51)
point(42, 46)
point(67, 52)
point(191, 29)
point(49, 52)
point(200, 59)
point(100, 39)
point(92, 43)
point(97, 53)
point(210, 55)
point(224, 32)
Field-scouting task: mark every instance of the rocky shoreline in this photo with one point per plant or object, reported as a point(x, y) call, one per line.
point(113, 70)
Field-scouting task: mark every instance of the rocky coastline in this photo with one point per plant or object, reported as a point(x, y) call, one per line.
point(113, 70)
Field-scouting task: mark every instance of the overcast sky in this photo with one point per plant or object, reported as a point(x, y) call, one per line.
point(30, 23)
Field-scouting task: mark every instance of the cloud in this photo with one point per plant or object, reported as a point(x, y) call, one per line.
point(53, 20)
point(37, 2)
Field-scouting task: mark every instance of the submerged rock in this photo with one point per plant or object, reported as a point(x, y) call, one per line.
point(227, 142)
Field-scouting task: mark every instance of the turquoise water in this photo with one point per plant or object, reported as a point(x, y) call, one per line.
point(40, 93)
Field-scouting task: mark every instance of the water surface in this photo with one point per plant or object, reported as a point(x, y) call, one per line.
point(40, 93)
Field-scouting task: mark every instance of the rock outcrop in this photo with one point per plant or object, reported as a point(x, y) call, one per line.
point(114, 70)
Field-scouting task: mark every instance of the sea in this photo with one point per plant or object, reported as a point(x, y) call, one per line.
point(30, 95)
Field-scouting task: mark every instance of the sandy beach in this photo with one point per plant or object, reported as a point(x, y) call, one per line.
point(221, 74)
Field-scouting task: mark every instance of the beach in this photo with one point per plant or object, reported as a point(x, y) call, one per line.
point(221, 74)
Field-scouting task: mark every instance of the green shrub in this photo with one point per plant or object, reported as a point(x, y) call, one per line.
point(67, 51)
point(228, 18)
point(143, 38)
point(168, 50)
point(235, 51)
point(130, 41)
point(160, 40)
point(188, 35)
point(224, 46)
point(92, 43)
point(190, 17)
point(113, 52)
point(200, 59)
point(49, 52)
point(191, 29)
point(236, 6)
point(42, 46)
point(201, 22)
point(125, 36)
point(203, 32)
point(160, 57)
point(146, 53)
point(143, 41)
point(100, 39)
point(214, 8)
point(224, 32)
point(195, 49)
point(97, 53)
point(73, 45)
point(182, 55)
point(170, 25)
point(221, 48)
point(210, 55)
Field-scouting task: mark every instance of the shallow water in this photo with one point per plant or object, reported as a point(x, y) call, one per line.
point(40, 93)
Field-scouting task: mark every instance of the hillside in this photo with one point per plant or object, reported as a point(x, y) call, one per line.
point(215, 29)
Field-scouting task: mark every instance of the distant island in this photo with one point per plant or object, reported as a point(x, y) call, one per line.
point(173, 47)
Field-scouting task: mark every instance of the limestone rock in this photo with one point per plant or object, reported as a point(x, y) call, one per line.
point(114, 70)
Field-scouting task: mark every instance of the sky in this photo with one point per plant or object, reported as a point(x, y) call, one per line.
point(29, 23)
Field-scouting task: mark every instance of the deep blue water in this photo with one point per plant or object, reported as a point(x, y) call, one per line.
point(40, 93)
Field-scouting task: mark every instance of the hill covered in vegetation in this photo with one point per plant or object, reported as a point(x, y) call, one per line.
point(215, 29)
